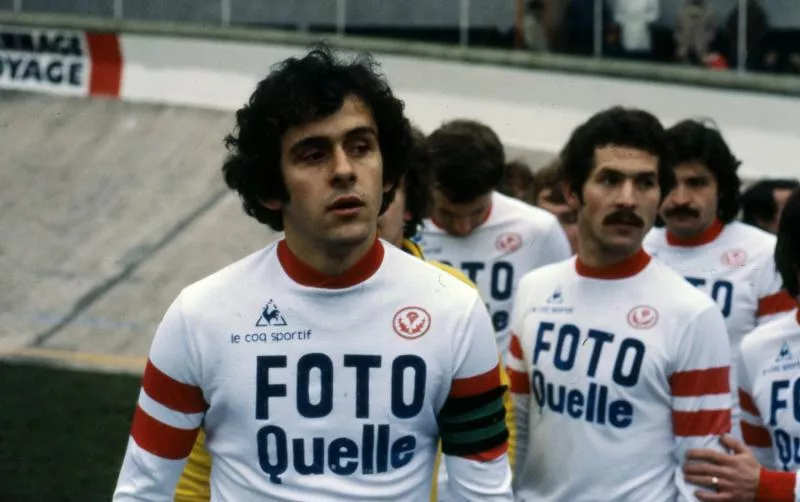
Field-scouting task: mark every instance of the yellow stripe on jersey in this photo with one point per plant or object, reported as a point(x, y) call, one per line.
point(194, 486)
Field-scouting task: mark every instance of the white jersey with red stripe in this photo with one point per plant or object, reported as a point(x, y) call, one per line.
point(734, 265)
point(515, 239)
point(769, 392)
point(615, 374)
point(320, 388)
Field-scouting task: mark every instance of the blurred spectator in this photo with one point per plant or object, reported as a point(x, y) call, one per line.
point(517, 181)
point(694, 32)
point(635, 18)
point(579, 25)
point(762, 203)
point(759, 56)
point(547, 193)
point(534, 29)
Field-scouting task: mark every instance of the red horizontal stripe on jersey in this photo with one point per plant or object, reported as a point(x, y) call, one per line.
point(756, 436)
point(776, 303)
point(171, 393)
point(747, 403)
point(519, 382)
point(486, 456)
point(515, 347)
point(471, 386)
point(701, 423)
point(700, 382)
point(160, 439)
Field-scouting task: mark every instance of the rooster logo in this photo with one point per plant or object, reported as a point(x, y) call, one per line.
point(411, 322)
point(271, 316)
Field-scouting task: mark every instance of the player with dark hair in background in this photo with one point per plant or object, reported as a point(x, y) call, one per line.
point(763, 202)
point(517, 181)
point(493, 238)
point(325, 366)
point(617, 365)
point(728, 260)
point(548, 194)
point(768, 373)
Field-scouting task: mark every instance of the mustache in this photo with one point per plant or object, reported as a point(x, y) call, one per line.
point(624, 217)
point(682, 211)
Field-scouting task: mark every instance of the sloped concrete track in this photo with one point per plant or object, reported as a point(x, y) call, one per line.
point(107, 209)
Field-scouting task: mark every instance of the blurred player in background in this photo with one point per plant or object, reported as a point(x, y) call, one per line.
point(517, 181)
point(493, 238)
point(325, 366)
point(726, 259)
point(763, 203)
point(769, 380)
point(618, 366)
point(548, 194)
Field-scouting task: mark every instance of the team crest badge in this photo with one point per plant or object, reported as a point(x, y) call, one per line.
point(509, 242)
point(734, 258)
point(642, 317)
point(411, 322)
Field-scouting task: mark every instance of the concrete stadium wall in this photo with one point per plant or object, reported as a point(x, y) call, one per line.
point(532, 110)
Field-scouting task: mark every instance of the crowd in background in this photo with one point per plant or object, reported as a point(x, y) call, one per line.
point(632, 29)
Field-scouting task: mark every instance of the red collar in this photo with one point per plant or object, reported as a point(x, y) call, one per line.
point(303, 274)
point(704, 237)
point(628, 267)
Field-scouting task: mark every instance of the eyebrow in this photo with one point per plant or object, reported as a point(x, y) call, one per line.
point(323, 141)
point(618, 172)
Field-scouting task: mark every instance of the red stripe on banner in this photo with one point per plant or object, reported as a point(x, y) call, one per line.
point(465, 387)
point(160, 439)
point(519, 382)
point(171, 393)
point(757, 436)
point(486, 456)
point(701, 423)
point(700, 382)
point(106, 77)
point(747, 403)
point(776, 303)
point(515, 347)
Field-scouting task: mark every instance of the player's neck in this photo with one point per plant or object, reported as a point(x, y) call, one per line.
point(595, 261)
point(704, 236)
point(330, 260)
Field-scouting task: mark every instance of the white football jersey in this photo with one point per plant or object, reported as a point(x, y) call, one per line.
point(615, 374)
point(734, 265)
point(515, 239)
point(769, 392)
point(322, 388)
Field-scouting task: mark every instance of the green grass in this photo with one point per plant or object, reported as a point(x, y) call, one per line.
point(62, 433)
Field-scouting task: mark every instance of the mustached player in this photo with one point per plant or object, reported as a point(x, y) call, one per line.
point(726, 259)
point(329, 365)
point(617, 364)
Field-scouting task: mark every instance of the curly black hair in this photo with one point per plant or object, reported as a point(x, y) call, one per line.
point(617, 126)
point(298, 91)
point(758, 201)
point(467, 159)
point(417, 183)
point(787, 249)
point(694, 141)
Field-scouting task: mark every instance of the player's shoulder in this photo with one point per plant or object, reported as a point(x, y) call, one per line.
point(757, 243)
point(547, 276)
point(756, 344)
point(526, 216)
point(655, 239)
point(674, 290)
point(453, 272)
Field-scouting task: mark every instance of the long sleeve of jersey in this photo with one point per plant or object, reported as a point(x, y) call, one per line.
point(773, 301)
point(520, 397)
point(700, 388)
point(754, 433)
point(472, 421)
point(168, 416)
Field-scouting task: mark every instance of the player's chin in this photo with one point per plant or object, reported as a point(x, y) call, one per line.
point(624, 243)
point(352, 233)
